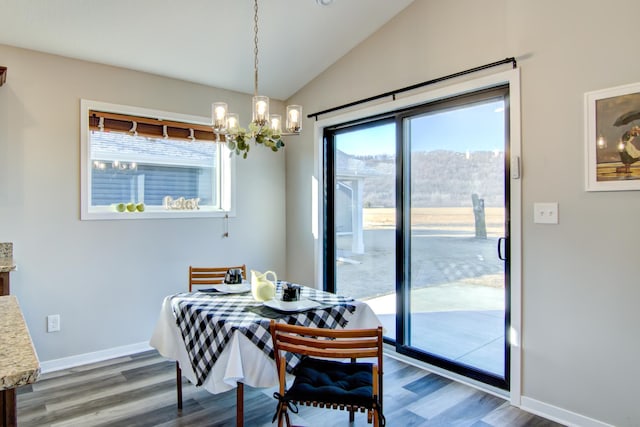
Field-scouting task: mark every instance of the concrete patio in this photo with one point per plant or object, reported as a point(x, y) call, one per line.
point(440, 324)
point(457, 297)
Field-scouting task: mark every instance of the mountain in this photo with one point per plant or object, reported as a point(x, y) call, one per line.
point(438, 178)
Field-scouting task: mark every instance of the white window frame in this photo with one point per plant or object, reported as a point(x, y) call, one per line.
point(226, 169)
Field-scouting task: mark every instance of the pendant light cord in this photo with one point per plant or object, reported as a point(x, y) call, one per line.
point(255, 49)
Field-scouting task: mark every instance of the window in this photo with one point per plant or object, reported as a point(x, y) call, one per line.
point(139, 163)
point(429, 247)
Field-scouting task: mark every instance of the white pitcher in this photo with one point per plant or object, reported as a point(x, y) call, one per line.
point(263, 289)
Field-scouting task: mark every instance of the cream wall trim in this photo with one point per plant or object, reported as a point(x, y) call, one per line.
point(96, 356)
point(510, 77)
point(560, 415)
point(515, 146)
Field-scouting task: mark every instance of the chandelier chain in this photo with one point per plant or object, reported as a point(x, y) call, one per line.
point(255, 48)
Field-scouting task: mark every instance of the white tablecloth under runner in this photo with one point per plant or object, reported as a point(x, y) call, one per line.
point(227, 339)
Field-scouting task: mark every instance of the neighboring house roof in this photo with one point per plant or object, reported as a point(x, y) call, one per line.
point(112, 146)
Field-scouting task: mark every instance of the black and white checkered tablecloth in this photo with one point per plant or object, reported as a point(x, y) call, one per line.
point(207, 320)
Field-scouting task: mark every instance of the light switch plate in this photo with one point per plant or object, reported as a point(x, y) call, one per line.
point(545, 213)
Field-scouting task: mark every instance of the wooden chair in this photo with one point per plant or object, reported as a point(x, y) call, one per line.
point(204, 276)
point(320, 380)
point(211, 275)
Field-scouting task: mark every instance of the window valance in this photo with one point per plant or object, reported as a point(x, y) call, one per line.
point(149, 127)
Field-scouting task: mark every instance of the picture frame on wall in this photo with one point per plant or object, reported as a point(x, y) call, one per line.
point(612, 133)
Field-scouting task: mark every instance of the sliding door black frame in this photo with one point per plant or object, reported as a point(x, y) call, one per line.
point(403, 284)
point(329, 142)
point(403, 234)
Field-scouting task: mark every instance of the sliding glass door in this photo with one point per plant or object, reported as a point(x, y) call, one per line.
point(363, 214)
point(416, 225)
point(456, 217)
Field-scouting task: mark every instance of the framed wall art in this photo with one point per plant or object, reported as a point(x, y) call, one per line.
point(612, 118)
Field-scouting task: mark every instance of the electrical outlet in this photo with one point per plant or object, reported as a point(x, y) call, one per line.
point(53, 323)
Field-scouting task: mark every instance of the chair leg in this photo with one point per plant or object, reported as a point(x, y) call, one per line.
point(179, 384)
point(283, 414)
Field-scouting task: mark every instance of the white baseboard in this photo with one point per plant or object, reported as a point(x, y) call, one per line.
point(559, 415)
point(527, 404)
point(96, 356)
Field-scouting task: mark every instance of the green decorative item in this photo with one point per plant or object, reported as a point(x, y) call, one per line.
point(238, 139)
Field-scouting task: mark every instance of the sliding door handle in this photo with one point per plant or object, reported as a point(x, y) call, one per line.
point(501, 241)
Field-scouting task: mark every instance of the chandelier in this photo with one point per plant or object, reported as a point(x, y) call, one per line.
point(264, 129)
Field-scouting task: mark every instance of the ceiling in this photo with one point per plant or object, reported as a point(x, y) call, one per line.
point(202, 41)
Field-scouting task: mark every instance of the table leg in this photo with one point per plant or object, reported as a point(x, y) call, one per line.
point(179, 384)
point(240, 405)
point(8, 408)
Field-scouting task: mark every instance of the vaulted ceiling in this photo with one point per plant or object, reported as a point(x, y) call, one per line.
point(203, 41)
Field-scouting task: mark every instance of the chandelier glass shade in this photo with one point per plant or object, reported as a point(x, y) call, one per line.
point(264, 128)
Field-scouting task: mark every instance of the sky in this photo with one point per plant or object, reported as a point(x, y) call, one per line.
point(472, 128)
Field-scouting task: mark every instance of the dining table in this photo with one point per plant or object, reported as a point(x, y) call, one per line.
point(220, 338)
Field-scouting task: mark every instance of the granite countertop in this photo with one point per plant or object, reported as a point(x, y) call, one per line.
point(19, 363)
point(6, 257)
point(7, 264)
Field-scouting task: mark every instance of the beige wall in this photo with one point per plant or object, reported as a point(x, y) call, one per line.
point(107, 279)
point(580, 279)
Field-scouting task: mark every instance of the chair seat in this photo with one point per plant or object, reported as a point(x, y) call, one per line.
point(329, 381)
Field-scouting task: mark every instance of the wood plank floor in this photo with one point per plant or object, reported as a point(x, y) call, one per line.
point(140, 390)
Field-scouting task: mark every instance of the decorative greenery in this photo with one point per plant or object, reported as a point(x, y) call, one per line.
point(238, 140)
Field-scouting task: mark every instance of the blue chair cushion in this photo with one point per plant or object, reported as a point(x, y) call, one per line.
point(331, 381)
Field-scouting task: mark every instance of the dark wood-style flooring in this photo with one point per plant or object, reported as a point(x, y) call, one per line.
point(140, 390)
